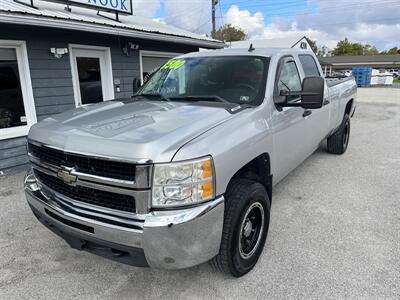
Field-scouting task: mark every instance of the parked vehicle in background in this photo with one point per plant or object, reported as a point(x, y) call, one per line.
point(183, 172)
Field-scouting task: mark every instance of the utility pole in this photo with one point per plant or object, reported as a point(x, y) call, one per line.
point(213, 5)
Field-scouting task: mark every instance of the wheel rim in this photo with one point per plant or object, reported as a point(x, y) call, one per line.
point(251, 230)
point(346, 134)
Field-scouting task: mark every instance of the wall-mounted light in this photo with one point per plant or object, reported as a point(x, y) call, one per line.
point(58, 52)
point(127, 49)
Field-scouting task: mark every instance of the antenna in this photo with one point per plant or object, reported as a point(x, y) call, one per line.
point(251, 48)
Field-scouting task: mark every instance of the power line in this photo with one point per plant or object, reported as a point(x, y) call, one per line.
point(206, 22)
point(355, 22)
point(326, 10)
point(295, 3)
point(320, 9)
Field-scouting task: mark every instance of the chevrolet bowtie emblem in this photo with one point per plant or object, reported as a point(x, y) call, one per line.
point(65, 175)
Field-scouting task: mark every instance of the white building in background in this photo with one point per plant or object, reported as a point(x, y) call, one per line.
point(292, 42)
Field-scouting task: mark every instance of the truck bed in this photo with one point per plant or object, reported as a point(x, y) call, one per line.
point(332, 81)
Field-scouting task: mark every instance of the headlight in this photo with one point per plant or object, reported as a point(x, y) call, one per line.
point(183, 183)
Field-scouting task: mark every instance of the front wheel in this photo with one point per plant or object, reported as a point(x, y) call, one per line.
point(337, 143)
point(246, 222)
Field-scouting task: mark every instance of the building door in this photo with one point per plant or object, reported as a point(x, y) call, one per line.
point(91, 74)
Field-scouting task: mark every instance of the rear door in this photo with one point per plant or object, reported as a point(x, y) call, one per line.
point(289, 126)
point(317, 120)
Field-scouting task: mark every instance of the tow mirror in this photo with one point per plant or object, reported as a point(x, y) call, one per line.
point(312, 93)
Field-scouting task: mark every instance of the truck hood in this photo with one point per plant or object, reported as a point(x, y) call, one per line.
point(125, 129)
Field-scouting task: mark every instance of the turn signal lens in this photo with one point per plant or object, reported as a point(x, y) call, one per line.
point(208, 190)
point(207, 169)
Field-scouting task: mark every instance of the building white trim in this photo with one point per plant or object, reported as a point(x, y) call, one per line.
point(26, 89)
point(98, 28)
point(107, 81)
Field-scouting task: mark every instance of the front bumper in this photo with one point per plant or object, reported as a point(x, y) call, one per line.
point(161, 239)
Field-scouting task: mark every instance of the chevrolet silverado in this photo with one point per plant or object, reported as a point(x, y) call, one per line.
point(182, 172)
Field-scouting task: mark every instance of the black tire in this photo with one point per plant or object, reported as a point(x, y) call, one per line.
point(236, 256)
point(337, 143)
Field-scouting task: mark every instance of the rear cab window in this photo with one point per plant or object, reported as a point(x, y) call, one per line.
point(309, 65)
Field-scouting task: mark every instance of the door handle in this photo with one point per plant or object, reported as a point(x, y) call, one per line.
point(307, 113)
point(326, 102)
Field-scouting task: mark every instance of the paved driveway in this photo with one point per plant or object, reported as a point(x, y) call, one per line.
point(334, 233)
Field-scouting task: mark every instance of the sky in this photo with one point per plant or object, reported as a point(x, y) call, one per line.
point(375, 22)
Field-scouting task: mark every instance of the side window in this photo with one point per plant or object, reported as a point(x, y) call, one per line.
point(289, 78)
point(309, 66)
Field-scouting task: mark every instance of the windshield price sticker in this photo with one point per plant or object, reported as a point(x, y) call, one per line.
point(173, 64)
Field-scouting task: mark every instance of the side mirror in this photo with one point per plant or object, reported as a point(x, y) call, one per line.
point(312, 93)
point(136, 84)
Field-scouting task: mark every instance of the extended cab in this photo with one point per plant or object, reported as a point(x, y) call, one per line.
point(182, 172)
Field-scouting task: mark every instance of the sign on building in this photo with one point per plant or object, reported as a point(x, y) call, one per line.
point(119, 6)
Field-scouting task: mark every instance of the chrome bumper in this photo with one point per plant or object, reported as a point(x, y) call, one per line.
point(169, 239)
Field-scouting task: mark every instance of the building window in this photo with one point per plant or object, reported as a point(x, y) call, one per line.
point(17, 111)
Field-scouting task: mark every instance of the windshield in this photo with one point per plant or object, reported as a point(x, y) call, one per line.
point(236, 79)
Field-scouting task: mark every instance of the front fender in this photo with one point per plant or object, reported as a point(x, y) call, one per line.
point(232, 145)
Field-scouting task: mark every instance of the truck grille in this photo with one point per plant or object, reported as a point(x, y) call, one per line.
point(84, 164)
point(88, 195)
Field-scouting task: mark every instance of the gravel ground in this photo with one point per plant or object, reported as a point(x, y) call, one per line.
point(334, 233)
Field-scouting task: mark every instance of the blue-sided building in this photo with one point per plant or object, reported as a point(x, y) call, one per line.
point(55, 57)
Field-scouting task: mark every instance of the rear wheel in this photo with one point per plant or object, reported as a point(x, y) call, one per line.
point(339, 140)
point(246, 222)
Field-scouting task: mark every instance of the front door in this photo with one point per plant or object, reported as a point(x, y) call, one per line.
point(92, 74)
point(289, 126)
point(318, 120)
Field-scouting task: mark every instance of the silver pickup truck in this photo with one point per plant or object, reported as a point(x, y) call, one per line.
point(182, 172)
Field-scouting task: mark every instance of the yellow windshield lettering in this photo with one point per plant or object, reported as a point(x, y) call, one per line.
point(173, 64)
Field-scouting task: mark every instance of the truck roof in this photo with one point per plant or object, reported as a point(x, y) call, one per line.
point(267, 52)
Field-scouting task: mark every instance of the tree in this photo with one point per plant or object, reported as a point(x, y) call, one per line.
point(313, 45)
point(345, 47)
point(319, 51)
point(391, 51)
point(229, 33)
point(370, 50)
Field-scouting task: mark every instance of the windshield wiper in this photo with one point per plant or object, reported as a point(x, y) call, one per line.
point(159, 96)
point(201, 98)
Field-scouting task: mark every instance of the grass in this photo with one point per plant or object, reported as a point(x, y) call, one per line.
point(396, 81)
